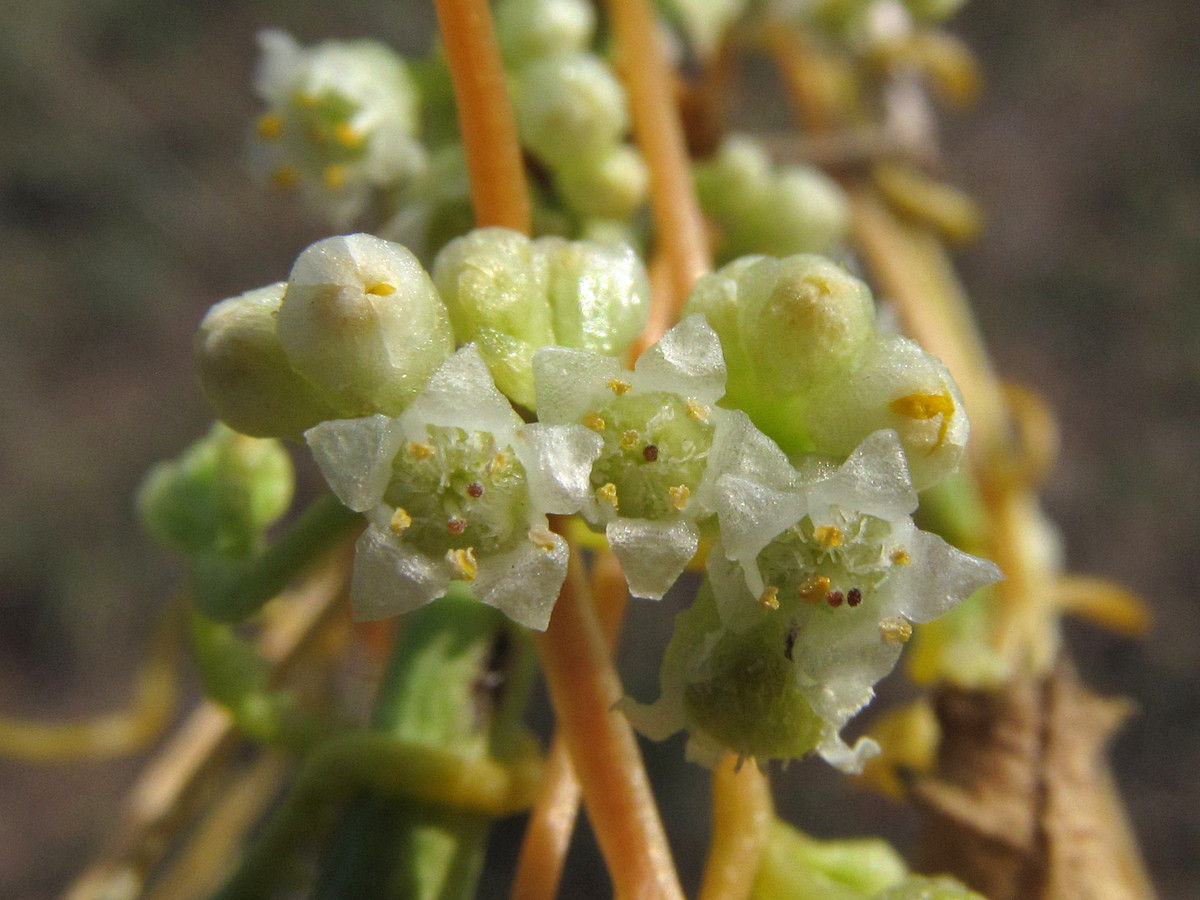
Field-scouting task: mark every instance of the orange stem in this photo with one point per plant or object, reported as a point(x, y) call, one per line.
point(485, 115)
point(678, 224)
point(552, 820)
point(583, 688)
point(742, 815)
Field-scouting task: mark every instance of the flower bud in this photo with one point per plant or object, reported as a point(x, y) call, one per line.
point(363, 323)
point(219, 496)
point(599, 295)
point(245, 374)
point(610, 184)
point(528, 29)
point(569, 105)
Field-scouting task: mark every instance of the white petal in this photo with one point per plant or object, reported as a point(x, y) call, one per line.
point(652, 554)
point(874, 480)
point(939, 577)
point(751, 515)
point(837, 753)
point(462, 393)
point(355, 456)
point(686, 361)
point(392, 578)
point(524, 583)
point(739, 448)
point(736, 589)
point(567, 382)
point(558, 463)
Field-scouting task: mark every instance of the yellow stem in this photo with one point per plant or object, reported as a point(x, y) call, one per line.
point(489, 129)
point(583, 688)
point(742, 815)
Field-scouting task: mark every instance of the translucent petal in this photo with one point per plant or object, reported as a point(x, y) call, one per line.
point(462, 393)
point(751, 515)
point(524, 583)
point(391, 578)
point(874, 480)
point(355, 456)
point(939, 577)
point(567, 382)
point(558, 462)
point(739, 448)
point(686, 361)
point(653, 554)
point(839, 754)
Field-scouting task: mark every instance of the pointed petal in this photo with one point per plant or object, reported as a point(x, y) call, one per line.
point(686, 361)
point(652, 554)
point(391, 578)
point(355, 456)
point(524, 583)
point(558, 463)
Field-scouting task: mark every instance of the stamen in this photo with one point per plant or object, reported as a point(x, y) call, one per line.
point(834, 598)
point(270, 127)
point(463, 562)
point(285, 178)
point(927, 406)
point(608, 494)
point(383, 289)
point(769, 598)
point(854, 597)
point(630, 439)
point(697, 410)
point(592, 420)
point(419, 450)
point(901, 557)
point(456, 525)
point(349, 137)
point(814, 589)
point(679, 495)
point(401, 522)
point(542, 538)
point(828, 536)
point(895, 630)
point(334, 177)
point(619, 387)
point(499, 462)
point(309, 100)
point(650, 453)
point(475, 490)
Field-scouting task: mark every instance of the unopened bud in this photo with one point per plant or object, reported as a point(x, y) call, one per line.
point(528, 29)
point(568, 106)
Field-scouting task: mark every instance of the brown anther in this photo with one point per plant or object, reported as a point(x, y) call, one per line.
point(853, 597)
point(680, 494)
point(475, 489)
point(455, 525)
point(401, 522)
point(619, 387)
point(697, 410)
point(650, 453)
point(419, 450)
point(900, 557)
point(828, 536)
point(608, 494)
point(630, 439)
point(814, 589)
point(592, 420)
point(834, 598)
point(769, 598)
point(895, 630)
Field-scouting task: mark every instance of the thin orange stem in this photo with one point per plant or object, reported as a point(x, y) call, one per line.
point(616, 790)
point(742, 816)
point(678, 224)
point(552, 819)
point(485, 115)
point(665, 306)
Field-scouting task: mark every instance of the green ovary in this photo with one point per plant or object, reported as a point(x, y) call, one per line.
point(461, 491)
point(651, 444)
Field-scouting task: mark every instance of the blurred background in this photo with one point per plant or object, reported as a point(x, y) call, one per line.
point(125, 211)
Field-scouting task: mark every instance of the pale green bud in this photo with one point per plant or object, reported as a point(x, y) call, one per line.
point(800, 867)
point(568, 106)
point(610, 184)
point(529, 29)
point(704, 21)
point(245, 374)
point(363, 323)
point(219, 496)
point(599, 295)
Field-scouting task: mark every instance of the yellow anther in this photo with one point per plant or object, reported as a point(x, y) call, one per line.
point(619, 387)
point(680, 494)
point(769, 598)
point(401, 522)
point(815, 589)
point(500, 461)
point(270, 127)
point(697, 410)
point(900, 557)
point(593, 421)
point(334, 177)
point(463, 563)
point(828, 536)
point(382, 289)
point(419, 450)
point(348, 136)
point(309, 100)
point(608, 494)
point(543, 539)
point(895, 630)
point(285, 178)
point(630, 439)
point(927, 406)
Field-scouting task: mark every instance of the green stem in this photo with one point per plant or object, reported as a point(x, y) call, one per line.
point(230, 591)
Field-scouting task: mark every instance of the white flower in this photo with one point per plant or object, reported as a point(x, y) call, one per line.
point(665, 442)
point(457, 488)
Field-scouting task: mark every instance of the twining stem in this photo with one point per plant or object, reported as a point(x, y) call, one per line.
point(552, 820)
point(742, 815)
point(583, 688)
point(678, 224)
point(489, 129)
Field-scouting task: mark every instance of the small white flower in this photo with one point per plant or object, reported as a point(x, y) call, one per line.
point(457, 488)
point(665, 442)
